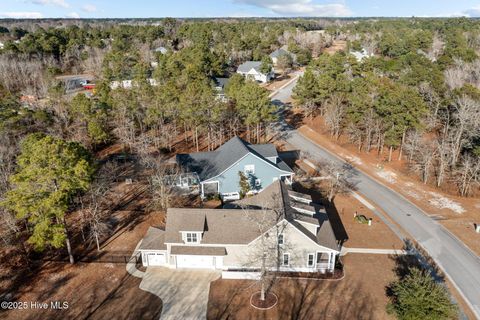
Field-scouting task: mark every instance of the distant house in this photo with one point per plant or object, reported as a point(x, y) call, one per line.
point(77, 82)
point(127, 84)
point(361, 55)
point(2, 45)
point(218, 170)
point(280, 52)
point(161, 50)
point(223, 239)
point(219, 85)
point(251, 70)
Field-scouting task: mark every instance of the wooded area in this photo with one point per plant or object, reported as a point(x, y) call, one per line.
point(418, 95)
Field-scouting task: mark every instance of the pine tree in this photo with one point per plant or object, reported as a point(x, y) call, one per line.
point(418, 296)
point(244, 184)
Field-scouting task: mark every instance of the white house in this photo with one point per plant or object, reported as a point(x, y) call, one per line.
point(224, 239)
point(127, 84)
point(361, 55)
point(251, 70)
point(283, 51)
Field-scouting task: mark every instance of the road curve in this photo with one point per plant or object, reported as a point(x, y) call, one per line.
point(457, 261)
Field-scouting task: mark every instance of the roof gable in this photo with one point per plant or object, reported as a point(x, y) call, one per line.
point(211, 164)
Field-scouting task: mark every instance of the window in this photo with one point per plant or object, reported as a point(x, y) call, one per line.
point(191, 237)
point(286, 260)
point(249, 169)
point(311, 260)
point(280, 239)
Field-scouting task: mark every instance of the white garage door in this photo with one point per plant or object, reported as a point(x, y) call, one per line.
point(195, 262)
point(155, 259)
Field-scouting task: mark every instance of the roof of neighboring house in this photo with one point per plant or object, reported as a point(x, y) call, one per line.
point(249, 65)
point(162, 50)
point(154, 240)
point(198, 250)
point(279, 52)
point(220, 82)
point(211, 164)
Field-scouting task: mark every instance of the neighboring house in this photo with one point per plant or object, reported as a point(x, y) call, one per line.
point(219, 170)
point(361, 55)
point(219, 85)
point(162, 50)
point(280, 52)
point(251, 70)
point(224, 239)
point(73, 83)
point(127, 84)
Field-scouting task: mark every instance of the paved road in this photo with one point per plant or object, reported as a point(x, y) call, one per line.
point(184, 293)
point(458, 262)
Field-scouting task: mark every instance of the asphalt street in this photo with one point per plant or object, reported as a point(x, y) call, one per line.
point(457, 261)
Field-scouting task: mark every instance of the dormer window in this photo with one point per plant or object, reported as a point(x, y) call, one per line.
point(249, 169)
point(191, 237)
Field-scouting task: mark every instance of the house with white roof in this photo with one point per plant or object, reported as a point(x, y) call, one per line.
point(252, 70)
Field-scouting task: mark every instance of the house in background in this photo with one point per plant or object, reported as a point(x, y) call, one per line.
point(219, 86)
point(280, 52)
point(251, 70)
point(218, 170)
point(224, 239)
point(161, 50)
point(361, 55)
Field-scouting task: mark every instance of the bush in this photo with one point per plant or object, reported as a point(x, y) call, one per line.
point(361, 219)
point(418, 296)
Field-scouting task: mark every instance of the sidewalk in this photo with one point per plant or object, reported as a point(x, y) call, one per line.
point(131, 264)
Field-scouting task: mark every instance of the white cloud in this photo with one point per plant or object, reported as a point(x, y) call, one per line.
point(21, 15)
point(60, 3)
point(301, 7)
point(472, 12)
point(73, 15)
point(89, 8)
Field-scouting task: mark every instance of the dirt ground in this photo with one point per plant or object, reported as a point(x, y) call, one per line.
point(457, 214)
point(338, 45)
point(360, 295)
point(278, 82)
point(376, 236)
point(92, 290)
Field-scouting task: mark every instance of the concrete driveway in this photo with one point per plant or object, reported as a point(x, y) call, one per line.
point(184, 293)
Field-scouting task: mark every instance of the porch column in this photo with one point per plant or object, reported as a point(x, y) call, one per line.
point(332, 266)
point(202, 190)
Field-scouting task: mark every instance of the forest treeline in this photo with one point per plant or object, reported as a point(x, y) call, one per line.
point(417, 96)
point(35, 195)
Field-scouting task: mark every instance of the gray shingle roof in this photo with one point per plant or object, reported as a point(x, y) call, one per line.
point(234, 225)
point(279, 52)
point(153, 240)
point(249, 65)
point(211, 164)
point(222, 226)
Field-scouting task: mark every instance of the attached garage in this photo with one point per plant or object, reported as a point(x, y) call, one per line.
point(153, 248)
point(199, 262)
point(198, 257)
point(154, 259)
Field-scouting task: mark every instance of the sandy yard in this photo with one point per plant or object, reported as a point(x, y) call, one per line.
point(360, 295)
point(96, 290)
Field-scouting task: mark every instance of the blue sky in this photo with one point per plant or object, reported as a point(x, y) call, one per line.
point(235, 8)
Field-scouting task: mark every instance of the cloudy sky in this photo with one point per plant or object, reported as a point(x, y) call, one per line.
point(235, 8)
